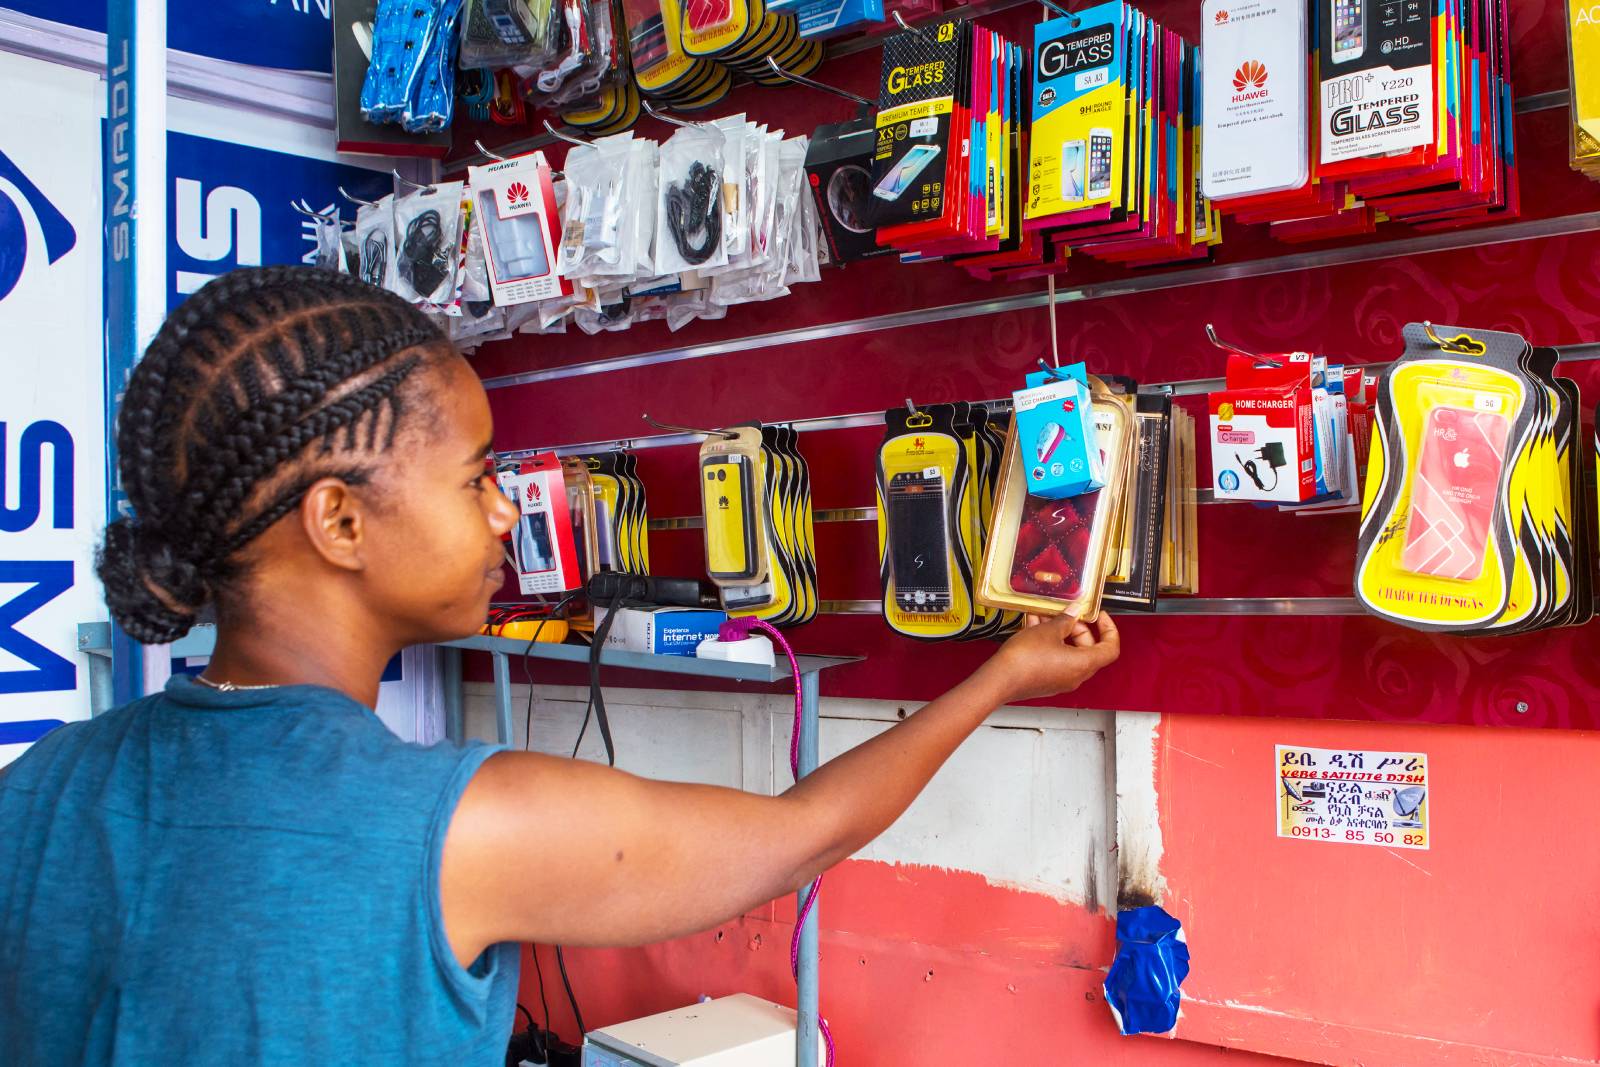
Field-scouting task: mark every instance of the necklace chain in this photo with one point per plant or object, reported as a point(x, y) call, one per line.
point(228, 687)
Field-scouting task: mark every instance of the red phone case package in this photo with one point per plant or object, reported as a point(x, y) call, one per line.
point(1453, 492)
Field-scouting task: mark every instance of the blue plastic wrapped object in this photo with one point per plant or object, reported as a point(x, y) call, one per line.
point(1152, 961)
point(433, 97)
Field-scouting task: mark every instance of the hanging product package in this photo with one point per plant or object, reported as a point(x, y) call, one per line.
point(689, 211)
point(1049, 557)
point(591, 239)
point(788, 595)
point(375, 243)
point(733, 503)
point(479, 319)
point(330, 242)
point(1264, 430)
point(427, 223)
point(1583, 64)
point(1377, 86)
point(543, 546)
point(1457, 486)
point(1055, 423)
point(509, 33)
point(1136, 583)
point(839, 171)
point(918, 125)
point(1255, 105)
point(1078, 152)
point(620, 518)
point(924, 512)
point(517, 216)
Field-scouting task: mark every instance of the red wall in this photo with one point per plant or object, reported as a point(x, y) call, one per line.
point(1481, 950)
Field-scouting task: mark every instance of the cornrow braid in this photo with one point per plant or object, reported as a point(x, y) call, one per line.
point(258, 385)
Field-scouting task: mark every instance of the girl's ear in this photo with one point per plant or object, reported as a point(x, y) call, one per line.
point(334, 522)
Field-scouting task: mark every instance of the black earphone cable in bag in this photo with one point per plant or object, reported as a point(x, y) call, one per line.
point(424, 261)
point(375, 258)
point(693, 207)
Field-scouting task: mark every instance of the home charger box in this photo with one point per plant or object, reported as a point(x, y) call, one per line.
point(736, 1031)
point(661, 631)
point(1264, 431)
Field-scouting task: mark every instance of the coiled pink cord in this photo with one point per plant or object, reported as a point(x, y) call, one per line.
point(738, 629)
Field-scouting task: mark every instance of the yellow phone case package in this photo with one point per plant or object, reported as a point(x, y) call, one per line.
point(925, 508)
point(1448, 537)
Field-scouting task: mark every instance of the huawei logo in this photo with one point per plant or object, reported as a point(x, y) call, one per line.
point(533, 493)
point(1222, 17)
point(1252, 74)
point(517, 193)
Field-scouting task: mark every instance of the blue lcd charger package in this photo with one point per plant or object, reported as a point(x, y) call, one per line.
point(1055, 432)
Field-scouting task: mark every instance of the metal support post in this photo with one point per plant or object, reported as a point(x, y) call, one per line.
point(454, 726)
point(807, 980)
point(504, 732)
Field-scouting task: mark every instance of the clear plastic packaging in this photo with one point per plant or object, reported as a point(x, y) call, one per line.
point(375, 243)
point(427, 226)
point(508, 33)
point(689, 211)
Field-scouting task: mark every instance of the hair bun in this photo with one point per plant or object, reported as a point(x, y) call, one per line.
point(153, 594)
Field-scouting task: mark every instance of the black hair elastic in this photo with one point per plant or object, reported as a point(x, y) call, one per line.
point(692, 208)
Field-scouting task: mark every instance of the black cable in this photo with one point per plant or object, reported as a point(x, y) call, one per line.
point(544, 1005)
point(693, 207)
point(571, 999)
point(424, 261)
point(375, 257)
point(528, 1014)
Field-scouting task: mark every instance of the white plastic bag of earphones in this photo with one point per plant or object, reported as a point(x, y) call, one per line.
point(764, 280)
point(805, 242)
point(735, 207)
point(751, 196)
point(427, 225)
point(330, 242)
point(689, 209)
point(642, 200)
point(375, 243)
point(476, 317)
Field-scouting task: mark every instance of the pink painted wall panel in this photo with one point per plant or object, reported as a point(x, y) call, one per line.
point(1479, 950)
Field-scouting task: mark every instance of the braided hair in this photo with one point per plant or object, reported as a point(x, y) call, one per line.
point(261, 383)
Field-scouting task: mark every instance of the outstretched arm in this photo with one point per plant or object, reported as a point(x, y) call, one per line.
point(569, 852)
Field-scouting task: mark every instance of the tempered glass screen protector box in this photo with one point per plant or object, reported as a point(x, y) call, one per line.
point(662, 631)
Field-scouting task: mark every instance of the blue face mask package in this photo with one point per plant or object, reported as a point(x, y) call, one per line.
point(1055, 432)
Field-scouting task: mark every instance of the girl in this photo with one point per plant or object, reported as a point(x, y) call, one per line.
point(248, 868)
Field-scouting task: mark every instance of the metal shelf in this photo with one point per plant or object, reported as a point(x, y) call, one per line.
point(639, 661)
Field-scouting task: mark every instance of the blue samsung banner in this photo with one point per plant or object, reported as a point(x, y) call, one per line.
point(282, 34)
point(230, 207)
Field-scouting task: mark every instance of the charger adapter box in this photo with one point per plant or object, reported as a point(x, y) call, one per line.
point(661, 631)
point(515, 212)
point(542, 542)
point(1264, 431)
point(1056, 434)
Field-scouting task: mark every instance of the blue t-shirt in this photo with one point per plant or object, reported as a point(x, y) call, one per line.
point(235, 878)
